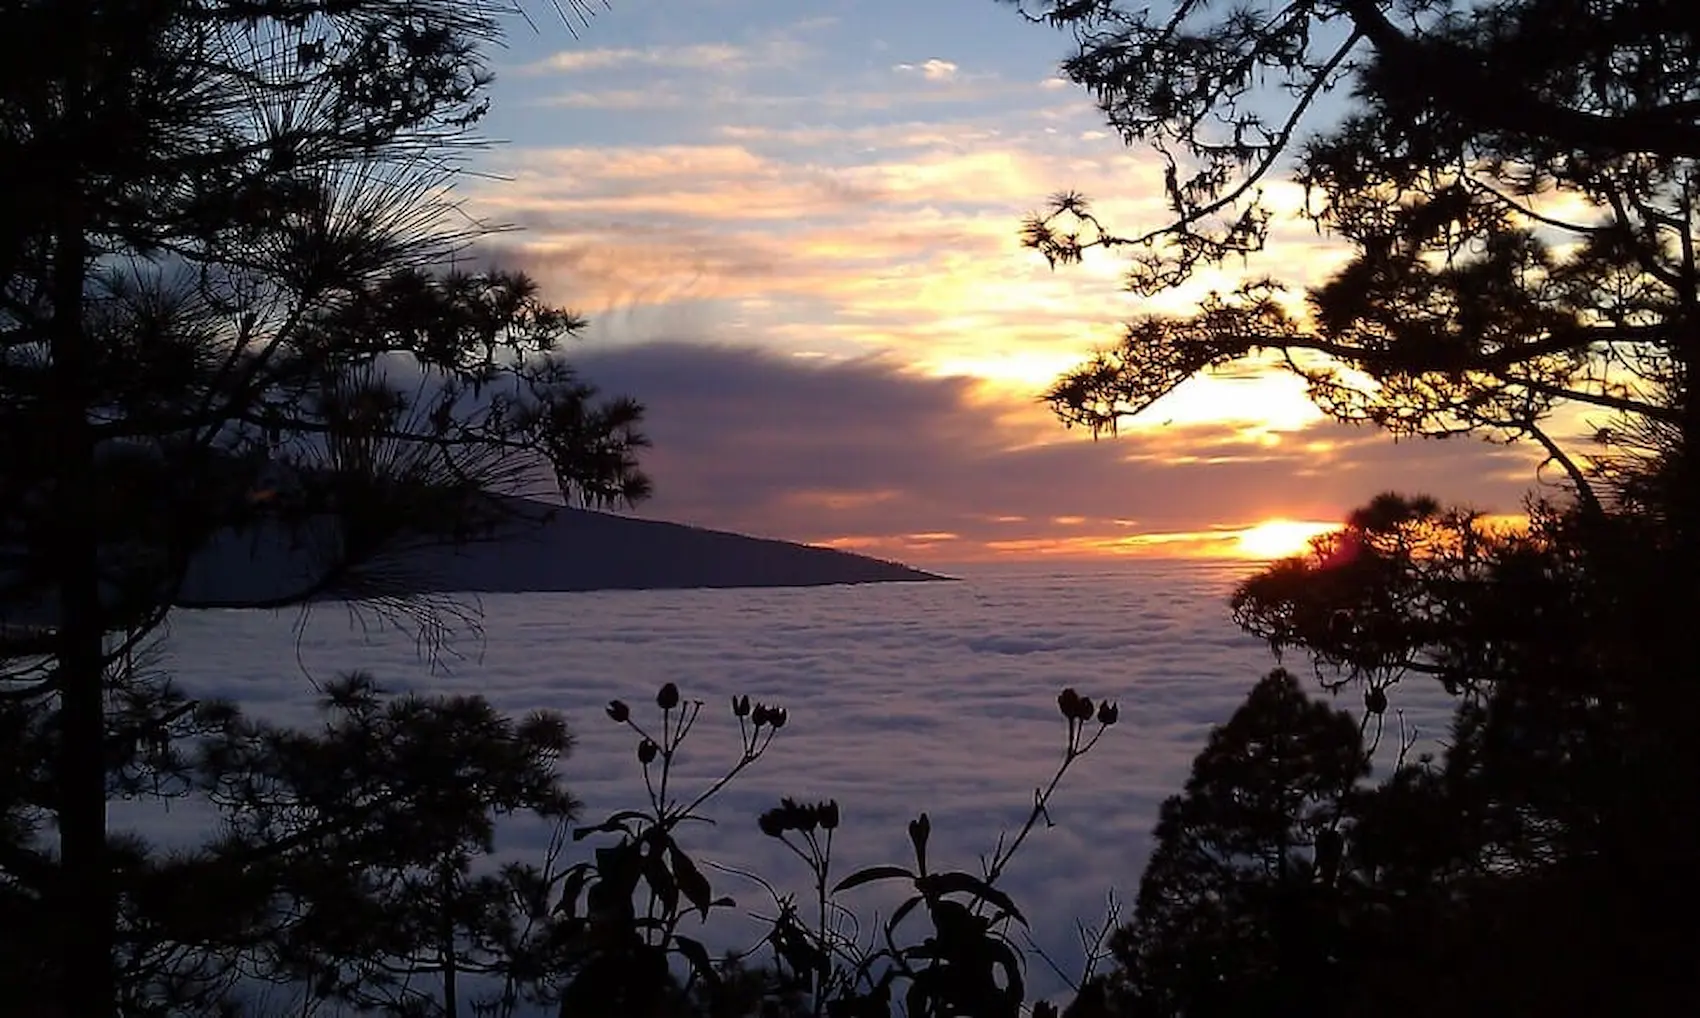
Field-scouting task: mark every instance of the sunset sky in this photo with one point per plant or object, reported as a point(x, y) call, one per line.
point(794, 226)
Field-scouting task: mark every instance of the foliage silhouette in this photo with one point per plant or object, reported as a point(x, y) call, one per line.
point(1521, 872)
point(1247, 865)
point(343, 866)
point(944, 950)
point(1515, 184)
point(396, 801)
point(226, 309)
point(1519, 224)
point(620, 912)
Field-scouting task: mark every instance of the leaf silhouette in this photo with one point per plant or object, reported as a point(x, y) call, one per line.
point(697, 955)
point(966, 883)
point(690, 879)
point(871, 874)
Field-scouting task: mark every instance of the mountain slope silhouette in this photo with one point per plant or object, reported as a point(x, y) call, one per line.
point(552, 548)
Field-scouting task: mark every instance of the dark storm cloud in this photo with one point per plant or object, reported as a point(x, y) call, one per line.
point(817, 450)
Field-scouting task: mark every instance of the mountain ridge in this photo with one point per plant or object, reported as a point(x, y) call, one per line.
point(560, 549)
point(582, 549)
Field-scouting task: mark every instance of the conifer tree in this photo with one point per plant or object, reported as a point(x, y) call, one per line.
point(1515, 186)
point(227, 312)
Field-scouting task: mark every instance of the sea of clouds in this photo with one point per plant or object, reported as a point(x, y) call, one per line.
point(901, 697)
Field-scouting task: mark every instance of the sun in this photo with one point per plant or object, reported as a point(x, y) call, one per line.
point(1279, 538)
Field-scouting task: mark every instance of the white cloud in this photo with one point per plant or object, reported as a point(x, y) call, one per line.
point(871, 137)
point(776, 51)
point(932, 70)
point(718, 98)
point(619, 99)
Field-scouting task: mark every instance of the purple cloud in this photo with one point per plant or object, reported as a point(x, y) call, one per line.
point(865, 452)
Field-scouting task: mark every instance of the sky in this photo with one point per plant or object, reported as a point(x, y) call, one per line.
point(794, 228)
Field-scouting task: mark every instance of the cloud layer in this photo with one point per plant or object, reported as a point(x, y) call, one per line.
point(902, 698)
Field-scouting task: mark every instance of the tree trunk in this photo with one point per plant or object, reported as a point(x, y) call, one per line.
point(85, 903)
point(86, 898)
point(1659, 858)
point(451, 980)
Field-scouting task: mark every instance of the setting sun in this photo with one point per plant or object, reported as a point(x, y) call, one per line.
point(1279, 538)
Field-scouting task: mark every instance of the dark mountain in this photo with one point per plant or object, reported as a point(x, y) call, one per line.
point(558, 549)
point(577, 549)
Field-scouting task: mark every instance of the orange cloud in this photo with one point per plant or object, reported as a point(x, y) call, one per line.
point(856, 236)
point(699, 57)
point(906, 242)
point(871, 455)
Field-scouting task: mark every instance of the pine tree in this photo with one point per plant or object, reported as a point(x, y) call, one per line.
point(226, 309)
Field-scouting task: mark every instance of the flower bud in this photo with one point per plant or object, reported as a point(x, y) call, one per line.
point(741, 706)
point(618, 710)
point(1375, 700)
point(1068, 701)
point(668, 697)
point(1083, 709)
point(646, 752)
point(762, 715)
point(1108, 713)
point(919, 829)
point(829, 814)
point(772, 823)
point(778, 716)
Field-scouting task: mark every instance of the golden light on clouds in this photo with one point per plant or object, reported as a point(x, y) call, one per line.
point(1271, 539)
point(1277, 402)
point(879, 225)
point(841, 499)
point(906, 242)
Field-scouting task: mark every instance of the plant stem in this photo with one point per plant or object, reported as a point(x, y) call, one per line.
point(1074, 752)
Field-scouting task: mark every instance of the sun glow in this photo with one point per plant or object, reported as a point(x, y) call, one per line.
point(1279, 538)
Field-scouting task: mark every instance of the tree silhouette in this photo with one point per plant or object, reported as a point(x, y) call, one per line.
point(1520, 873)
point(1519, 208)
point(224, 229)
point(364, 837)
point(1515, 184)
point(1236, 904)
point(1226, 96)
point(343, 867)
